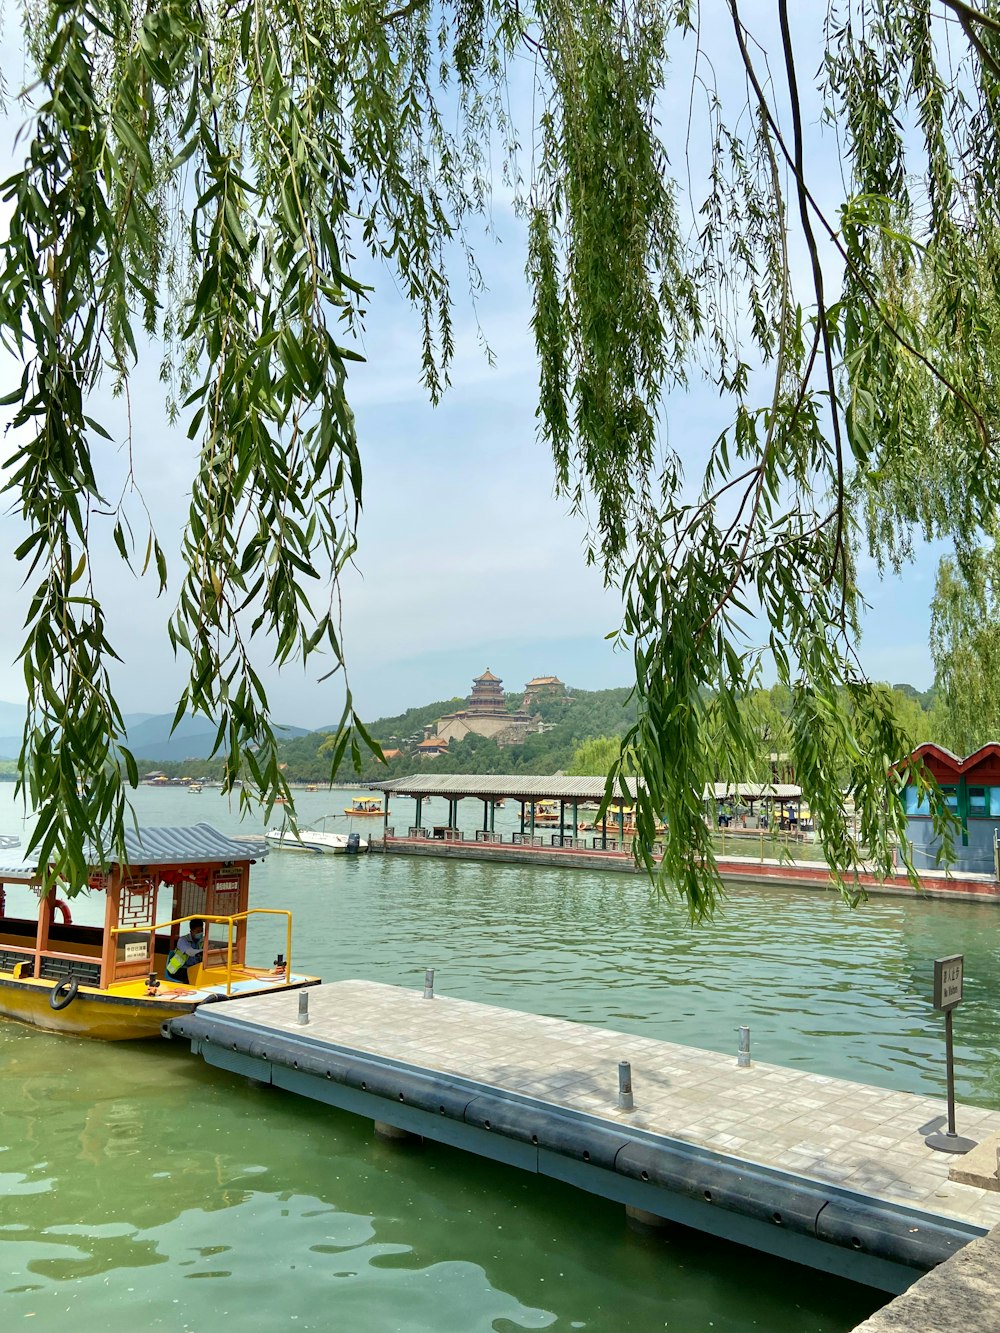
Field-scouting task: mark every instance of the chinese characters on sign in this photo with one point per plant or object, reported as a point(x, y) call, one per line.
point(948, 981)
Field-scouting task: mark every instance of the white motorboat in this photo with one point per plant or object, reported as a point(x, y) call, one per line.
point(316, 841)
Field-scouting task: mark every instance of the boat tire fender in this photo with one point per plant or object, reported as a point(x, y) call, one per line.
point(64, 994)
point(65, 916)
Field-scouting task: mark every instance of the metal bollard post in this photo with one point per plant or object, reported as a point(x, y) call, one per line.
point(743, 1053)
point(303, 1006)
point(429, 984)
point(625, 1099)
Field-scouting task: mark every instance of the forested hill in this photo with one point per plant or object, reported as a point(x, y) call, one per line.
point(570, 721)
point(578, 737)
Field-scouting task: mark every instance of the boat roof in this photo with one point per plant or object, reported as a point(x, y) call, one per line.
point(196, 844)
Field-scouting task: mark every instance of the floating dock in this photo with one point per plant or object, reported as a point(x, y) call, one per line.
point(818, 1170)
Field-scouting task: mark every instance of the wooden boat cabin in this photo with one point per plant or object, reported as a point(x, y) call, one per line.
point(110, 980)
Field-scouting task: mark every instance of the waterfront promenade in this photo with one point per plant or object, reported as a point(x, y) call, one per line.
point(563, 850)
point(820, 1170)
point(779, 853)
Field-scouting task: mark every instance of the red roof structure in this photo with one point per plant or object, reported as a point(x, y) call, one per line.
point(980, 767)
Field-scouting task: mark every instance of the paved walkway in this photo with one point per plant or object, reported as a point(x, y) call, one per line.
point(860, 1137)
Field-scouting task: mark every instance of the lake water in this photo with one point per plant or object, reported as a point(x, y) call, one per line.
point(141, 1185)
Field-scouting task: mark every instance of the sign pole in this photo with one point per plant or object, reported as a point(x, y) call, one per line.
point(949, 1064)
point(948, 977)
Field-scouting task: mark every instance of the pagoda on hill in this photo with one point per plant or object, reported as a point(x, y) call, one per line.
point(485, 714)
point(487, 698)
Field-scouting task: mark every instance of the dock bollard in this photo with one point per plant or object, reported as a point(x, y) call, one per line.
point(429, 984)
point(743, 1052)
point(625, 1100)
point(303, 1006)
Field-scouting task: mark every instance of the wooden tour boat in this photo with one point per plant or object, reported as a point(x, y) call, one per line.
point(110, 981)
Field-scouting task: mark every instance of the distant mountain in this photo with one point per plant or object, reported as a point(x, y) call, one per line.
point(193, 739)
point(147, 735)
point(11, 728)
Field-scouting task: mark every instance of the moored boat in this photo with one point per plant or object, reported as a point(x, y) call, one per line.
point(316, 841)
point(111, 981)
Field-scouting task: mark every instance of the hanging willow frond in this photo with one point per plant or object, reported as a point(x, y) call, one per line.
point(203, 173)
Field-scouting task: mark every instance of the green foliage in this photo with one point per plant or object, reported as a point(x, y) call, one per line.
point(595, 757)
point(965, 645)
point(203, 174)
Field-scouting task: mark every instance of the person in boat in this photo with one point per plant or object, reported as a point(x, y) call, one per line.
point(187, 952)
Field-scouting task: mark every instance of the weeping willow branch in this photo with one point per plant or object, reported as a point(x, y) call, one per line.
point(203, 175)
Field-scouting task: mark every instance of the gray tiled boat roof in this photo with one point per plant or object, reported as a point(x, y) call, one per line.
point(17, 874)
point(182, 846)
point(172, 846)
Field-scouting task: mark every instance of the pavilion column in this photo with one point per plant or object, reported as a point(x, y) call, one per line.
point(112, 901)
point(486, 815)
point(44, 923)
point(243, 905)
point(522, 819)
point(419, 804)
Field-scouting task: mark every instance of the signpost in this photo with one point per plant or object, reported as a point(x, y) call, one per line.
point(948, 975)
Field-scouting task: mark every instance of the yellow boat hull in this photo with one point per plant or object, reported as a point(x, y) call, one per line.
point(93, 1013)
point(125, 1013)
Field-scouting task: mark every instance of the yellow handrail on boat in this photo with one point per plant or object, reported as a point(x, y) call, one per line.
point(227, 921)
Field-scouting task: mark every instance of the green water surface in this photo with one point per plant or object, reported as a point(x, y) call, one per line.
point(141, 1187)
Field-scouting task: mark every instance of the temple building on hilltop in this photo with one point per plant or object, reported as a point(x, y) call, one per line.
point(542, 685)
point(432, 746)
point(485, 714)
point(487, 698)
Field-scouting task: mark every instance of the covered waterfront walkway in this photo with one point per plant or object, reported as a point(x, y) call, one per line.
point(540, 824)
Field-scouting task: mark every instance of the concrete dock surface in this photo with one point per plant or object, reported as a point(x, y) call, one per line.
point(853, 1135)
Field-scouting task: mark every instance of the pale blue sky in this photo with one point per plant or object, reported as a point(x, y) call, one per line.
point(466, 559)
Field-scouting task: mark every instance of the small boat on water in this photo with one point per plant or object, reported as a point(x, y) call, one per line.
point(545, 812)
point(195, 788)
point(316, 841)
point(366, 806)
point(622, 817)
point(111, 981)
